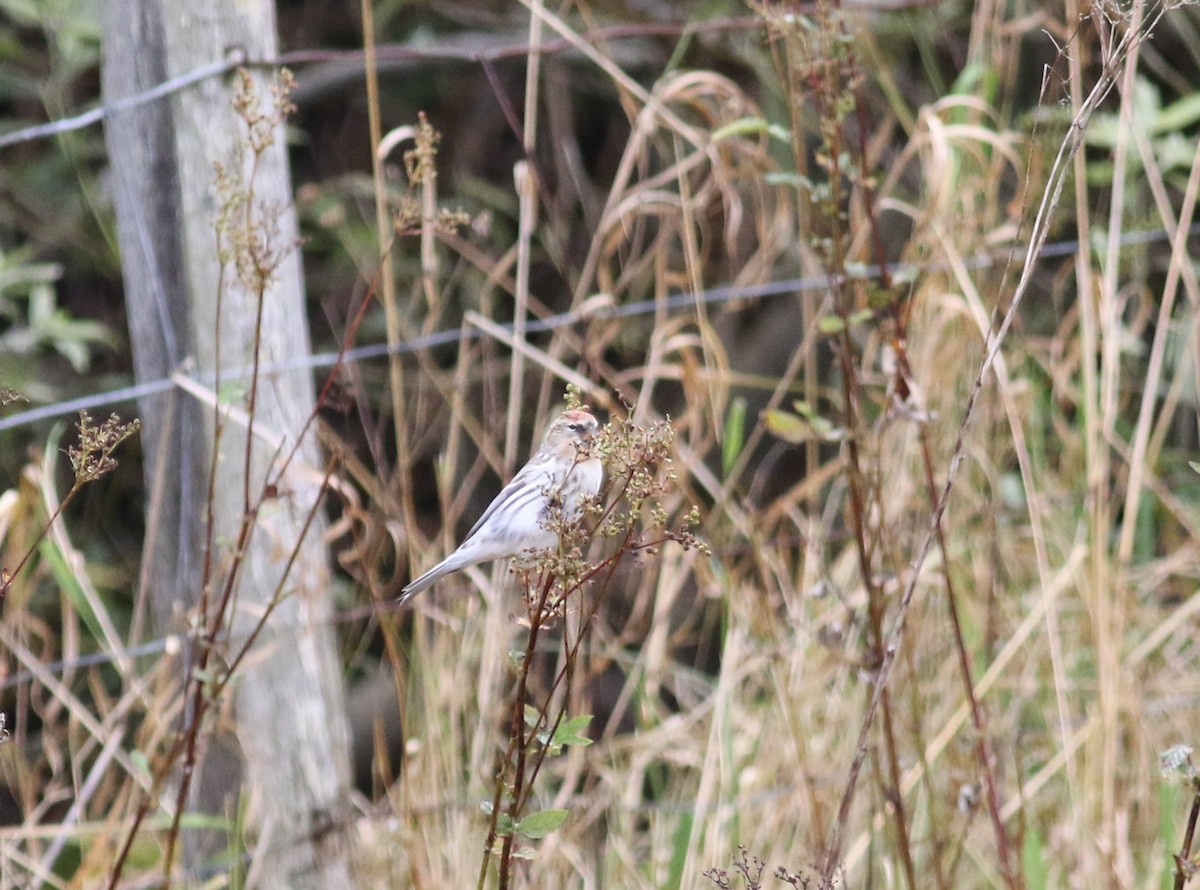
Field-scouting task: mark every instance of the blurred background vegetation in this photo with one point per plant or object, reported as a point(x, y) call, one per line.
point(729, 692)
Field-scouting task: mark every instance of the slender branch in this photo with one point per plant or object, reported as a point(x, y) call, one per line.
point(1184, 868)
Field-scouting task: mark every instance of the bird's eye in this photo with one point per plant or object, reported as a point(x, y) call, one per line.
point(572, 426)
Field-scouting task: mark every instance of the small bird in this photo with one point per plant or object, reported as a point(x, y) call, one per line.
point(563, 469)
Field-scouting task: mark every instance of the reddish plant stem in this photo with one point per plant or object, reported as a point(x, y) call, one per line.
point(827, 97)
point(185, 744)
point(1184, 869)
point(536, 616)
point(983, 751)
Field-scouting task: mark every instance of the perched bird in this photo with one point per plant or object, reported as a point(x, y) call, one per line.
point(563, 469)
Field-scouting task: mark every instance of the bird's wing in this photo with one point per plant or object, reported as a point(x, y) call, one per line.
point(525, 487)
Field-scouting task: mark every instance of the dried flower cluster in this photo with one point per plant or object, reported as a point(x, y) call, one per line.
point(92, 457)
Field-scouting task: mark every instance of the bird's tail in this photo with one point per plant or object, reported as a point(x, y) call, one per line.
point(424, 582)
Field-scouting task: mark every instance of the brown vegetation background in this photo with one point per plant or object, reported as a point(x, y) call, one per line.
point(913, 285)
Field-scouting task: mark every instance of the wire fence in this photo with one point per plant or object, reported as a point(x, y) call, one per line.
point(712, 296)
point(716, 295)
point(237, 58)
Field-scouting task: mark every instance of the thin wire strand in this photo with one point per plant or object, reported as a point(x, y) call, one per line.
point(466, 333)
point(444, 52)
point(458, 335)
point(237, 57)
point(178, 642)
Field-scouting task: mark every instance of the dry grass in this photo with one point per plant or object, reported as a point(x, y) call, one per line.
point(837, 621)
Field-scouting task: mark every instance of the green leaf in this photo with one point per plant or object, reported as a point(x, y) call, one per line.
point(751, 126)
point(504, 825)
point(835, 324)
point(862, 315)
point(540, 824)
point(571, 732)
point(1033, 860)
point(71, 337)
point(878, 298)
point(971, 74)
point(824, 428)
point(798, 428)
point(831, 324)
point(141, 763)
point(804, 409)
point(787, 426)
point(1178, 115)
point(1169, 803)
point(679, 851)
point(735, 434)
point(231, 392)
point(64, 576)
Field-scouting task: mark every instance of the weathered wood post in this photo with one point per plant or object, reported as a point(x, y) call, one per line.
point(290, 711)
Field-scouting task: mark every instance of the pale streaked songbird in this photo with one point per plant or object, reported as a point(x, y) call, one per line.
point(516, 520)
